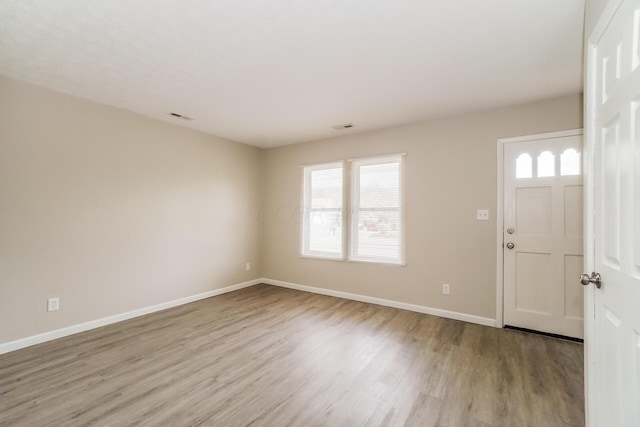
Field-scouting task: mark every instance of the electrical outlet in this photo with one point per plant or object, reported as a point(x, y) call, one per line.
point(482, 214)
point(445, 288)
point(53, 304)
point(248, 266)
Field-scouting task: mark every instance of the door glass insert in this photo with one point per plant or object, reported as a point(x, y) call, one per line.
point(523, 166)
point(570, 162)
point(546, 164)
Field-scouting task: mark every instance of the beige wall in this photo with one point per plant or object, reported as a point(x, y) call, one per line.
point(113, 212)
point(450, 172)
point(593, 10)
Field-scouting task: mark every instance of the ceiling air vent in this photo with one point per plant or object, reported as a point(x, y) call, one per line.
point(344, 126)
point(180, 116)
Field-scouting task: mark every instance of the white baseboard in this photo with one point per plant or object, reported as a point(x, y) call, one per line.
point(70, 330)
point(389, 303)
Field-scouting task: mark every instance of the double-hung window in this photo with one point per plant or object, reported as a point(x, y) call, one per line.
point(322, 214)
point(376, 210)
point(376, 227)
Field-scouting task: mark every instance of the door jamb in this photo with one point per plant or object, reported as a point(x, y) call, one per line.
point(500, 210)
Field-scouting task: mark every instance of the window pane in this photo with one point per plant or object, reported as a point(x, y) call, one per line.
point(523, 166)
point(379, 234)
point(322, 221)
point(570, 162)
point(326, 188)
point(325, 232)
point(546, 164)
point(380, 185)
point(376, 227)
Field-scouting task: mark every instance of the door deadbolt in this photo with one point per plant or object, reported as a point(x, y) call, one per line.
point(510, 230)
point(510, 245)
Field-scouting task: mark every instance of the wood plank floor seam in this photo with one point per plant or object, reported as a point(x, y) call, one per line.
point(271, 356)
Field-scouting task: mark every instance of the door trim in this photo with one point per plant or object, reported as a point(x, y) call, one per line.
point(500, 210)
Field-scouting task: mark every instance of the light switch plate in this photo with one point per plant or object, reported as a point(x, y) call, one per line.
point(482, 214)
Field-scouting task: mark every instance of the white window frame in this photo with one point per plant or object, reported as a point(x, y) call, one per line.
point(307, 211)
point(350, 194)
point(355, 209)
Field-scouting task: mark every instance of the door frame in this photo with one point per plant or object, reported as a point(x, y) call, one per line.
point(590, 347)
point(500, 209)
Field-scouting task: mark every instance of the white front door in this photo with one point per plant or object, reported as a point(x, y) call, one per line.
point(543, 233)
point(613, 120)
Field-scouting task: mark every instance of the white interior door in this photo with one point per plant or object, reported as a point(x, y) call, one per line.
point(543, 234)
point(613, 120)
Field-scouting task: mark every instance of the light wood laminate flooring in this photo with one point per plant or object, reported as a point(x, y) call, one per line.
point(268, 356)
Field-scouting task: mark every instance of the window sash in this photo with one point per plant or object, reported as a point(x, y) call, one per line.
point(308, 211)
point(356, 252)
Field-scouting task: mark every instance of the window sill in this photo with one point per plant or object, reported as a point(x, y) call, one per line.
point(325, 258)
point(355, 260)
point(379, 262)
